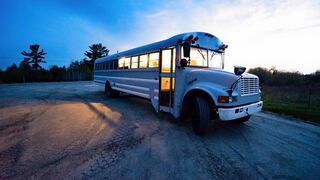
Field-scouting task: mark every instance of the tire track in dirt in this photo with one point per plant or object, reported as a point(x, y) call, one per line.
point(123, 139)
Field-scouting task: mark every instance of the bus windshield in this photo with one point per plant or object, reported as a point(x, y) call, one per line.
point(206, 58)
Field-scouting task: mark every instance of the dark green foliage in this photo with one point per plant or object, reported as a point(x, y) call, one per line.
point(96, 51)
point(34, 57)
point(57, 73)
point(24, 68)
point(274, 77)
point(1, 75)
point(29, 69)
point(12, 74)
point(298, 101)
point(290, 93)
point(77, 71)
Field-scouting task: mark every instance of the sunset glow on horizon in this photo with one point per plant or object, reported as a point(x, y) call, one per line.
point(284, 34)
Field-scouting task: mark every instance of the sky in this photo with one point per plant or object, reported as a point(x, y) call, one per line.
point(280, 33)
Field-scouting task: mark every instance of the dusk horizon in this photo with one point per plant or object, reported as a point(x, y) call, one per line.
point(259, 34)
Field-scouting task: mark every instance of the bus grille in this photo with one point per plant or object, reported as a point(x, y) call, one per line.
point(249, 86)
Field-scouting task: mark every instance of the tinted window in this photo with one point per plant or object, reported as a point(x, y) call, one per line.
point(108, 64)
point(115, 64)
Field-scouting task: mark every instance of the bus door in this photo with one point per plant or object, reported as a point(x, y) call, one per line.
point(166, 79)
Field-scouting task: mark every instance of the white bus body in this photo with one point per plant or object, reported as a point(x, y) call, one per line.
point(185, 84)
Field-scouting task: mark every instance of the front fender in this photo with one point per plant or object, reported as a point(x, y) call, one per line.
point(214, 90)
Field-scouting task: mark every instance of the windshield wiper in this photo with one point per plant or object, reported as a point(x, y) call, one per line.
point(204, 59)
point(212, 56)
point(201, 54)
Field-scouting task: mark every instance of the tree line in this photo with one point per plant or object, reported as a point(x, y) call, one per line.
point(30, 69)
point(274, 77)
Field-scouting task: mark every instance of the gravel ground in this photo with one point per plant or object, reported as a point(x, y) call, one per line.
point(72, 131)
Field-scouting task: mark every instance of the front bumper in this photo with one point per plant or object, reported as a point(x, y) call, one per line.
point(228, 114)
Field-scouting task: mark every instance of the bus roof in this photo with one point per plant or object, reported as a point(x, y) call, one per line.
point(206, 40)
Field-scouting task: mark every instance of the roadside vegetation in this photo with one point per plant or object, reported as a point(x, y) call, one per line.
point(30, 69)
point(290, 93)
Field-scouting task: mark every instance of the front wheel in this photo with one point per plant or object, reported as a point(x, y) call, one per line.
point(200, 116)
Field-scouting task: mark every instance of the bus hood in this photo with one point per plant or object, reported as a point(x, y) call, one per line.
point(216, 76)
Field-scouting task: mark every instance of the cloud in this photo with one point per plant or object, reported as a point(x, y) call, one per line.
point(284, 33)
point(259, 33)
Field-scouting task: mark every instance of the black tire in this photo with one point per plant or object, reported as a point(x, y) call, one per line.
point(243, 119)
point(200, 116)
point(110, 92)
point(186, 111)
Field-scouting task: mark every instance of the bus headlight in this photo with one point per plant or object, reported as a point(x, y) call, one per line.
point(224, 99)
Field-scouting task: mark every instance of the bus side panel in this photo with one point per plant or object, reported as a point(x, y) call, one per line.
point(139, 82)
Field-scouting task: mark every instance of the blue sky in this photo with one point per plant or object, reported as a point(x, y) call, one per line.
point(63, 28)
point(285, 33)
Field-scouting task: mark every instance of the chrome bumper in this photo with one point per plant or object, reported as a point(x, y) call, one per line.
point(229, 114)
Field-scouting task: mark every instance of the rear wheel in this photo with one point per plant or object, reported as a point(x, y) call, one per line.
point(200, 116)
point(243, 119)
point(110, 92)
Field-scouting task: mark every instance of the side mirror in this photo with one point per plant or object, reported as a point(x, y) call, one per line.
point(186, 49)
point(183, 62)
point(238, 70)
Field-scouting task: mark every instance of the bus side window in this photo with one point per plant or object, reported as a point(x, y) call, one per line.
point(174, 60)
point(134, 62)
point(127, 63)
point(121, 63)
point(115, 64)
point(110, 65)
point(154, 60)
point(166, 60)
point(143, 61)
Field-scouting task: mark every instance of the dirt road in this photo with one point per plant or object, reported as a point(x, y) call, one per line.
point(71, 130)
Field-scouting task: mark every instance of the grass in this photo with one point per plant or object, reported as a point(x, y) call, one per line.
point(293, 101)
